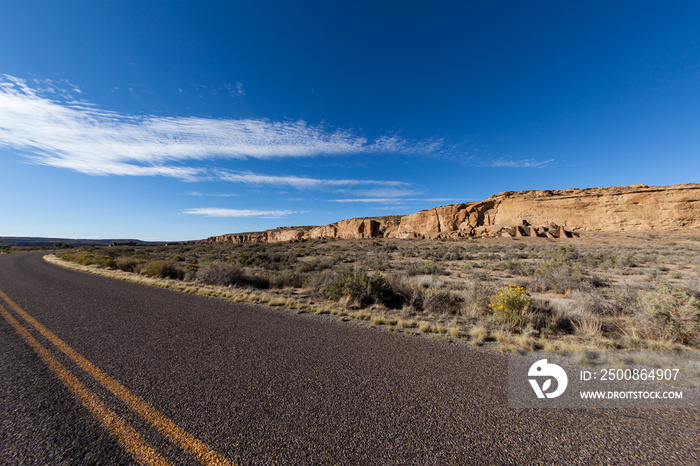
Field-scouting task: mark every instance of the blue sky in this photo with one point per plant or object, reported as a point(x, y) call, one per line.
point(180, 120)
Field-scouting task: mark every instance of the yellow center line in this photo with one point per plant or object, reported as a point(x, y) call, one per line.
point(177, 435)
point(123, 432)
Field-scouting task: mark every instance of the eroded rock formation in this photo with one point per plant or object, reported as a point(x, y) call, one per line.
point(553, 214)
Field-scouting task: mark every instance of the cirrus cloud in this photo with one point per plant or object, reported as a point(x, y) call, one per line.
point(299, 182)
point(56, 130)
point(236, 213)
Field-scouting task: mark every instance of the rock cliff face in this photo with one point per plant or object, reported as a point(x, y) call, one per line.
point(551, 214)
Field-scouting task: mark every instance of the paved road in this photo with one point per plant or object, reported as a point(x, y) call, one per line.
point(206, 379)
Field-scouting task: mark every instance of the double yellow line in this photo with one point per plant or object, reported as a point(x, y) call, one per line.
point(118, 428)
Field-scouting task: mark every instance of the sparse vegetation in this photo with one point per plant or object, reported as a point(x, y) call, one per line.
point(606, 291)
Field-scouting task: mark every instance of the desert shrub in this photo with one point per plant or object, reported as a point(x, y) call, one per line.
point(126, 264)
point(516, 267)
point(561, 315)
point(358, 286)
point(225, 274)
point(478, 293)
point(440, 301)
point(84, 258)
point(219, 273)
point(424, 268)
point(342, 257)
point(377, 262)
point(623, 300)
point(590, 302)
point(162, 269)
point(489, 256)
point(288, 279)
point(105, 261)
point(66, 256)
point(562, 277)
point(413, 294)
point(554, 315)
point(561, 255)
point(320, 281)
point(93, 257)
point(426, 281)
point(265, 259)
point(89, 256)
point(671, 314)
point(315, 264)
point(609, 260)
point(692, 287)
point(456, 253)
point(510, 305)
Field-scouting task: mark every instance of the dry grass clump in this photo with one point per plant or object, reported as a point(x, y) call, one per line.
point(407, 323)
point(479, 334)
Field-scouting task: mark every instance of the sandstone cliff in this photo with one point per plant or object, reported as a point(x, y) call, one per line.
point(553, 214)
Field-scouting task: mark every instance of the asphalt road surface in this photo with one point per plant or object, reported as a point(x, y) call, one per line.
point(99, 371)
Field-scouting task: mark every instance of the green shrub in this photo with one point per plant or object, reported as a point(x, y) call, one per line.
point(363, 289)
point(84, 258)
point(516, 267)
point(162, 269)
point(89, 256)
point(424, 268)
point(126, 264)
point(377, 263)
point(66, 256)
point(510, 305)
point(106, 261)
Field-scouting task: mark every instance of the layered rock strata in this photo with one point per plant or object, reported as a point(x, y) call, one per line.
point(554, 214)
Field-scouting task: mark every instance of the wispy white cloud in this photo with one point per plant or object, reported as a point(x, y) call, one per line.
point(299, 182)
point(198, 194)
point(55, 130)
point(489, 162)
point(238, 91)
point(393, 200)
point(235, 213)
point(387, 192)
point(524, 163)
point(370, 200)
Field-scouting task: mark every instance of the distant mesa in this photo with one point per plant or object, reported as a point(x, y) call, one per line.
point(59, 243)
point(546, 214)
